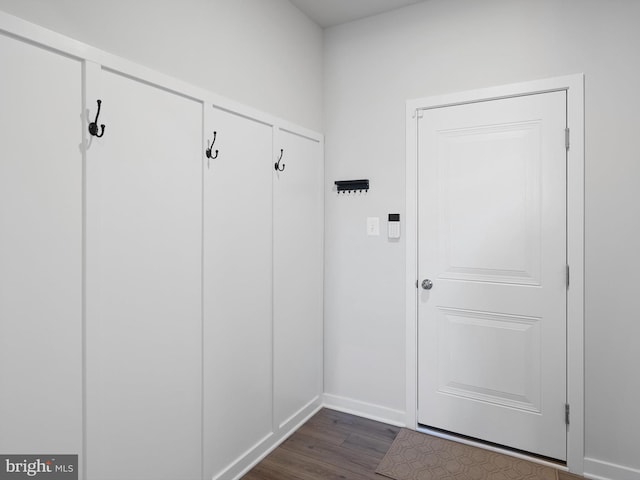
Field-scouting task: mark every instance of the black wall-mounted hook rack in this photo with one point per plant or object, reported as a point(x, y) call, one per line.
point(352, 185)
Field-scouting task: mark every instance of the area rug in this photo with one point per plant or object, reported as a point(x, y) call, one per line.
point(417, 456)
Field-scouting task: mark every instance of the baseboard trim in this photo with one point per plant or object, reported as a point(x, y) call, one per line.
point(366, 410)
point(245, 463)
point(601, 470)
point(316, 403)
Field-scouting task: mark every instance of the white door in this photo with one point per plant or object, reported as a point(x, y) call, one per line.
point(40, 250)
point(492, 240)
point(238, 392)
point(298, 275)
point(144, 285)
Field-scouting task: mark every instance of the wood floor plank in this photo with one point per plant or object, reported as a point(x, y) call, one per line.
point(306, 467)
point(345, 422)
point(374, 447)
point(324, 433)
point(330, 446)
point(568, 476)
point(348, 459)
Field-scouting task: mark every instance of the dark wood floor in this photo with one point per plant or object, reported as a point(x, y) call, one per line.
point(332, 445)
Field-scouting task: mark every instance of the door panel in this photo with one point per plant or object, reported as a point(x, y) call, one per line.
point(144, 272)
point(507, 353)
point(492, 238)
point(503, 245)
point(238, 369)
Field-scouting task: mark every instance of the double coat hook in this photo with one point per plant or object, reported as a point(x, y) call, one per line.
point(93, 126)
point(277, 164)
point(210, 148)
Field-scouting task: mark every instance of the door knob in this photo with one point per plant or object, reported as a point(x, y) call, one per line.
point(427, 284)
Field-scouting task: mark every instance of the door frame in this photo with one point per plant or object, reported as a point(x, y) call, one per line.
point(574, 86)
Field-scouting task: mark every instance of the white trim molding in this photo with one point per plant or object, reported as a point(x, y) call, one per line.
point(365, 410)
point(574, 86)
point(601, 470)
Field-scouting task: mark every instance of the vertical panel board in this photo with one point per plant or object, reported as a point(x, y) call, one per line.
point(298, 275)
point(40, 250)
point(144, 311)
point(237, 289)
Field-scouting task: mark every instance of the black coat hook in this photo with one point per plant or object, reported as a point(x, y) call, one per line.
point(93, 126)
point(277, 164)
point(209, 148)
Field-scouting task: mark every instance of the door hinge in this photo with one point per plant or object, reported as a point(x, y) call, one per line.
point(418, 113)
point(417, 283)
point(566, 413)
point(567, 139)
point(568, 276)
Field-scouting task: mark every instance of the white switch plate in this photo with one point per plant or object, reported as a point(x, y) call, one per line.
point(373, 226)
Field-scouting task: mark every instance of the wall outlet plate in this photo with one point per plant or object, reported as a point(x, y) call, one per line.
point(373, 226)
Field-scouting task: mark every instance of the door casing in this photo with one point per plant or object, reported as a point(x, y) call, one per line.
point(574, 86)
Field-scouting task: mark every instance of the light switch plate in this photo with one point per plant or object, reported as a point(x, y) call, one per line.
point(373, 226)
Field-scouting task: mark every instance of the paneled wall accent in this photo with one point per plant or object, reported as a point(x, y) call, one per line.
point(151, 303)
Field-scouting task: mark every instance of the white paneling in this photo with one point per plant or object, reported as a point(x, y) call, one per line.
point(40, 250)
point(237, 288)
point(298, 275)
point(144, 272)
point(144, 312)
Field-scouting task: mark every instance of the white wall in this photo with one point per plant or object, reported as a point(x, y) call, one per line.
point(371, 68)
point(267, 54)
point(263, 53)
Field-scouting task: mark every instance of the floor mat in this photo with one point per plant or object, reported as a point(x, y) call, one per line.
point(417, 456)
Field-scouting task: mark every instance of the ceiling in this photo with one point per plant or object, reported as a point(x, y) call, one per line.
point(328, 13)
